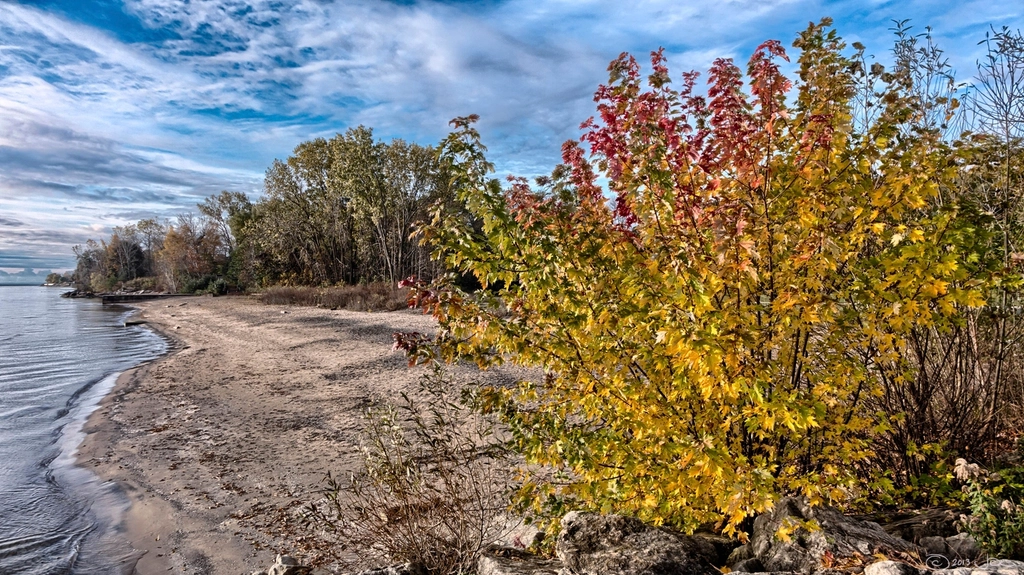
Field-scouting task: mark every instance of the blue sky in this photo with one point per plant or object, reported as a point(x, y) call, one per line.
point(116, 110)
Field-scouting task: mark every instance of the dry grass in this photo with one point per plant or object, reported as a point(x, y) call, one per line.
point(432, 492)
point(370, 297)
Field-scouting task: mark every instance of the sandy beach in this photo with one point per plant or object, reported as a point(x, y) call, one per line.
point(238, 425)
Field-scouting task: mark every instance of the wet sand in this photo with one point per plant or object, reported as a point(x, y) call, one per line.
point(238, 425)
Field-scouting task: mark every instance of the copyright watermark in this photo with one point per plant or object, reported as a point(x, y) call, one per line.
point(936, 561)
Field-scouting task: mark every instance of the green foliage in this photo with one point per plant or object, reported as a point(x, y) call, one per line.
point(55, 278)
point(202, 285)
point(722, 333)
point(218, 286)
point(996, 502)
point(341, 211)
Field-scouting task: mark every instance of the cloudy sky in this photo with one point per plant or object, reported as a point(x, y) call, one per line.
point(116, 110)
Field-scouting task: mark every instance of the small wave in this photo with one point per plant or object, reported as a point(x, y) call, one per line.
point(20, 545)
point(43, 556)
point(59, 518)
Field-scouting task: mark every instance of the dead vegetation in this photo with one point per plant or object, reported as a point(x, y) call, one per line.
point(432, 491)
point(363, 297)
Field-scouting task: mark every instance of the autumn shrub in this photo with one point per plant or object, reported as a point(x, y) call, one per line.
point(431, 491)
point(719, 332)
point(366, 297)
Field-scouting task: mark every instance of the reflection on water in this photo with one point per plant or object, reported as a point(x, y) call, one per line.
point(58, 358)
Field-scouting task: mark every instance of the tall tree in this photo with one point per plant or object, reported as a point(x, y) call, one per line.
point(228, 211)
point(390, 186)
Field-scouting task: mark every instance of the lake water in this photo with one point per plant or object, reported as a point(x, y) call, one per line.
point(58, 358)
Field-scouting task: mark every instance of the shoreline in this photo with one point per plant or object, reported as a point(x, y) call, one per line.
point(220, 442)
point(137, 520)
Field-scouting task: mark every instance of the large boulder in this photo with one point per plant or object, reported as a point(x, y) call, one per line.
point(838, 540)
point(593, 544)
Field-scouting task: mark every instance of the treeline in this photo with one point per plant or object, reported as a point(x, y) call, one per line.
point(336, 212)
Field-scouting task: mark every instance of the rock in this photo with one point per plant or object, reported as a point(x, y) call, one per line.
point(963, 546)
point(593, 544)
point(722, 545)
point(517, 533)
point(752, 565)
point(934, 545)
point(287, 565)
point(510, 561)
point(846, 539)
point(891, 568)
point(741, 553)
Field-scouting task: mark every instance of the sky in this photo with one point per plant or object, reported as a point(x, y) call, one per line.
point(116, 110)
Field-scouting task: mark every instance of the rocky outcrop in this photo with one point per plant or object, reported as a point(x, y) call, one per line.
point(838, 539)
point(818, 541)
point(593, 544)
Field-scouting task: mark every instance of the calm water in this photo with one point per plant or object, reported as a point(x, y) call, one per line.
point(58, 357)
